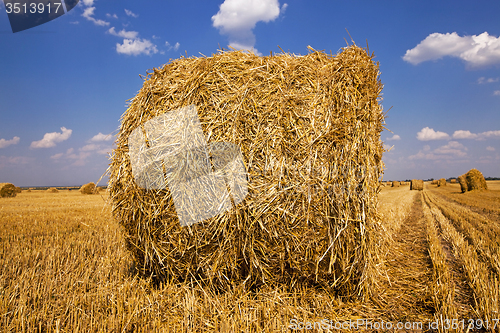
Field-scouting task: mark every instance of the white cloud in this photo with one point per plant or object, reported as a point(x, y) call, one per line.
point(394, 137)
point(111, 16)
point(50, 139)
point(123, 33)
point(88, 2)
point(476, 50)
point(170, 47)
point(57, 156)
point(101, 137)
point(490, 148)
point(496, 93)
point(15, 160)
point(130, 13)
point(283, 8)
point(237, 18)
point(80, 158)
point(88, 14)
point(464, 135)
point(490, 134)
point(452, 150)
point(136, 47)
point(427, 134)
point(481, 136)
point(90, 147)
point(5, 143)
point(483, 80)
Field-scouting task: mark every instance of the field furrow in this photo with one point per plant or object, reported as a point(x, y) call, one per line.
point(482, 281)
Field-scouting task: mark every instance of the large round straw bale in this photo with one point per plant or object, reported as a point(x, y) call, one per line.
point(463, 183)
point(441, 182)
point(89, 188)
point(7, 190)
point(308, 132)
point(53, 190)
point(417, 184)
point(395, 183)
point(475, 180)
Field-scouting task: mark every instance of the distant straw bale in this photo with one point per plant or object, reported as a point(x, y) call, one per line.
point(19, 190)
point(475, 180)
point(308, 132)
point(88, 188)
point(53, 190)
point(395, 183)
point(417, 184)
point(28, 190)
point(7, 190)
point(463, 183)
point(434, 182)
point(453, 181)
point(441, 182)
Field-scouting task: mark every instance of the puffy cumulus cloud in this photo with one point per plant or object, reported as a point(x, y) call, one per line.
point(50, 139)
point(464, 135)
point(394, 138)
point(130, 13)
point(136, 47)
point(461, 134)
point(476, 50)
point(427, 134)
point(452, 150)
point(496, 93)
point(88, 13)
point(101, 137)
point(490, 148)
point(483, 80)
point(123, 33)
point(5, 143)
point(237, 18)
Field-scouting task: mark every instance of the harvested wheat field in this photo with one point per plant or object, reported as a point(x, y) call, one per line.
point(64, 267)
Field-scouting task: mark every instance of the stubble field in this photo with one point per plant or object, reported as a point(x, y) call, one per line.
point(64, 268)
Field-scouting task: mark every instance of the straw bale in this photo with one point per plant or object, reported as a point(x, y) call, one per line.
point(89, 188)
point(29, 190)
point(417, 184)
point(19, 190)
point(441, 182)
point(53, 190)
point(309, 133)
point(453, 181)
point(475, 180)
point(434, 182)
point(396, 184)
point(7, 190)
point(463, 183)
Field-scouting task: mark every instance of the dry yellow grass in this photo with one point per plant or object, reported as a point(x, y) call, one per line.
point(64, 267)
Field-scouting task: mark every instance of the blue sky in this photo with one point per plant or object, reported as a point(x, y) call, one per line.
point(64, 84)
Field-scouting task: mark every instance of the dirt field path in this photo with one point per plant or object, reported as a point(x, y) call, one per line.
point(409, 268)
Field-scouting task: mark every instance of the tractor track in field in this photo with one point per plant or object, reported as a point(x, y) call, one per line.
point(486, 213)
point(410, 268)
point(463, 294)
